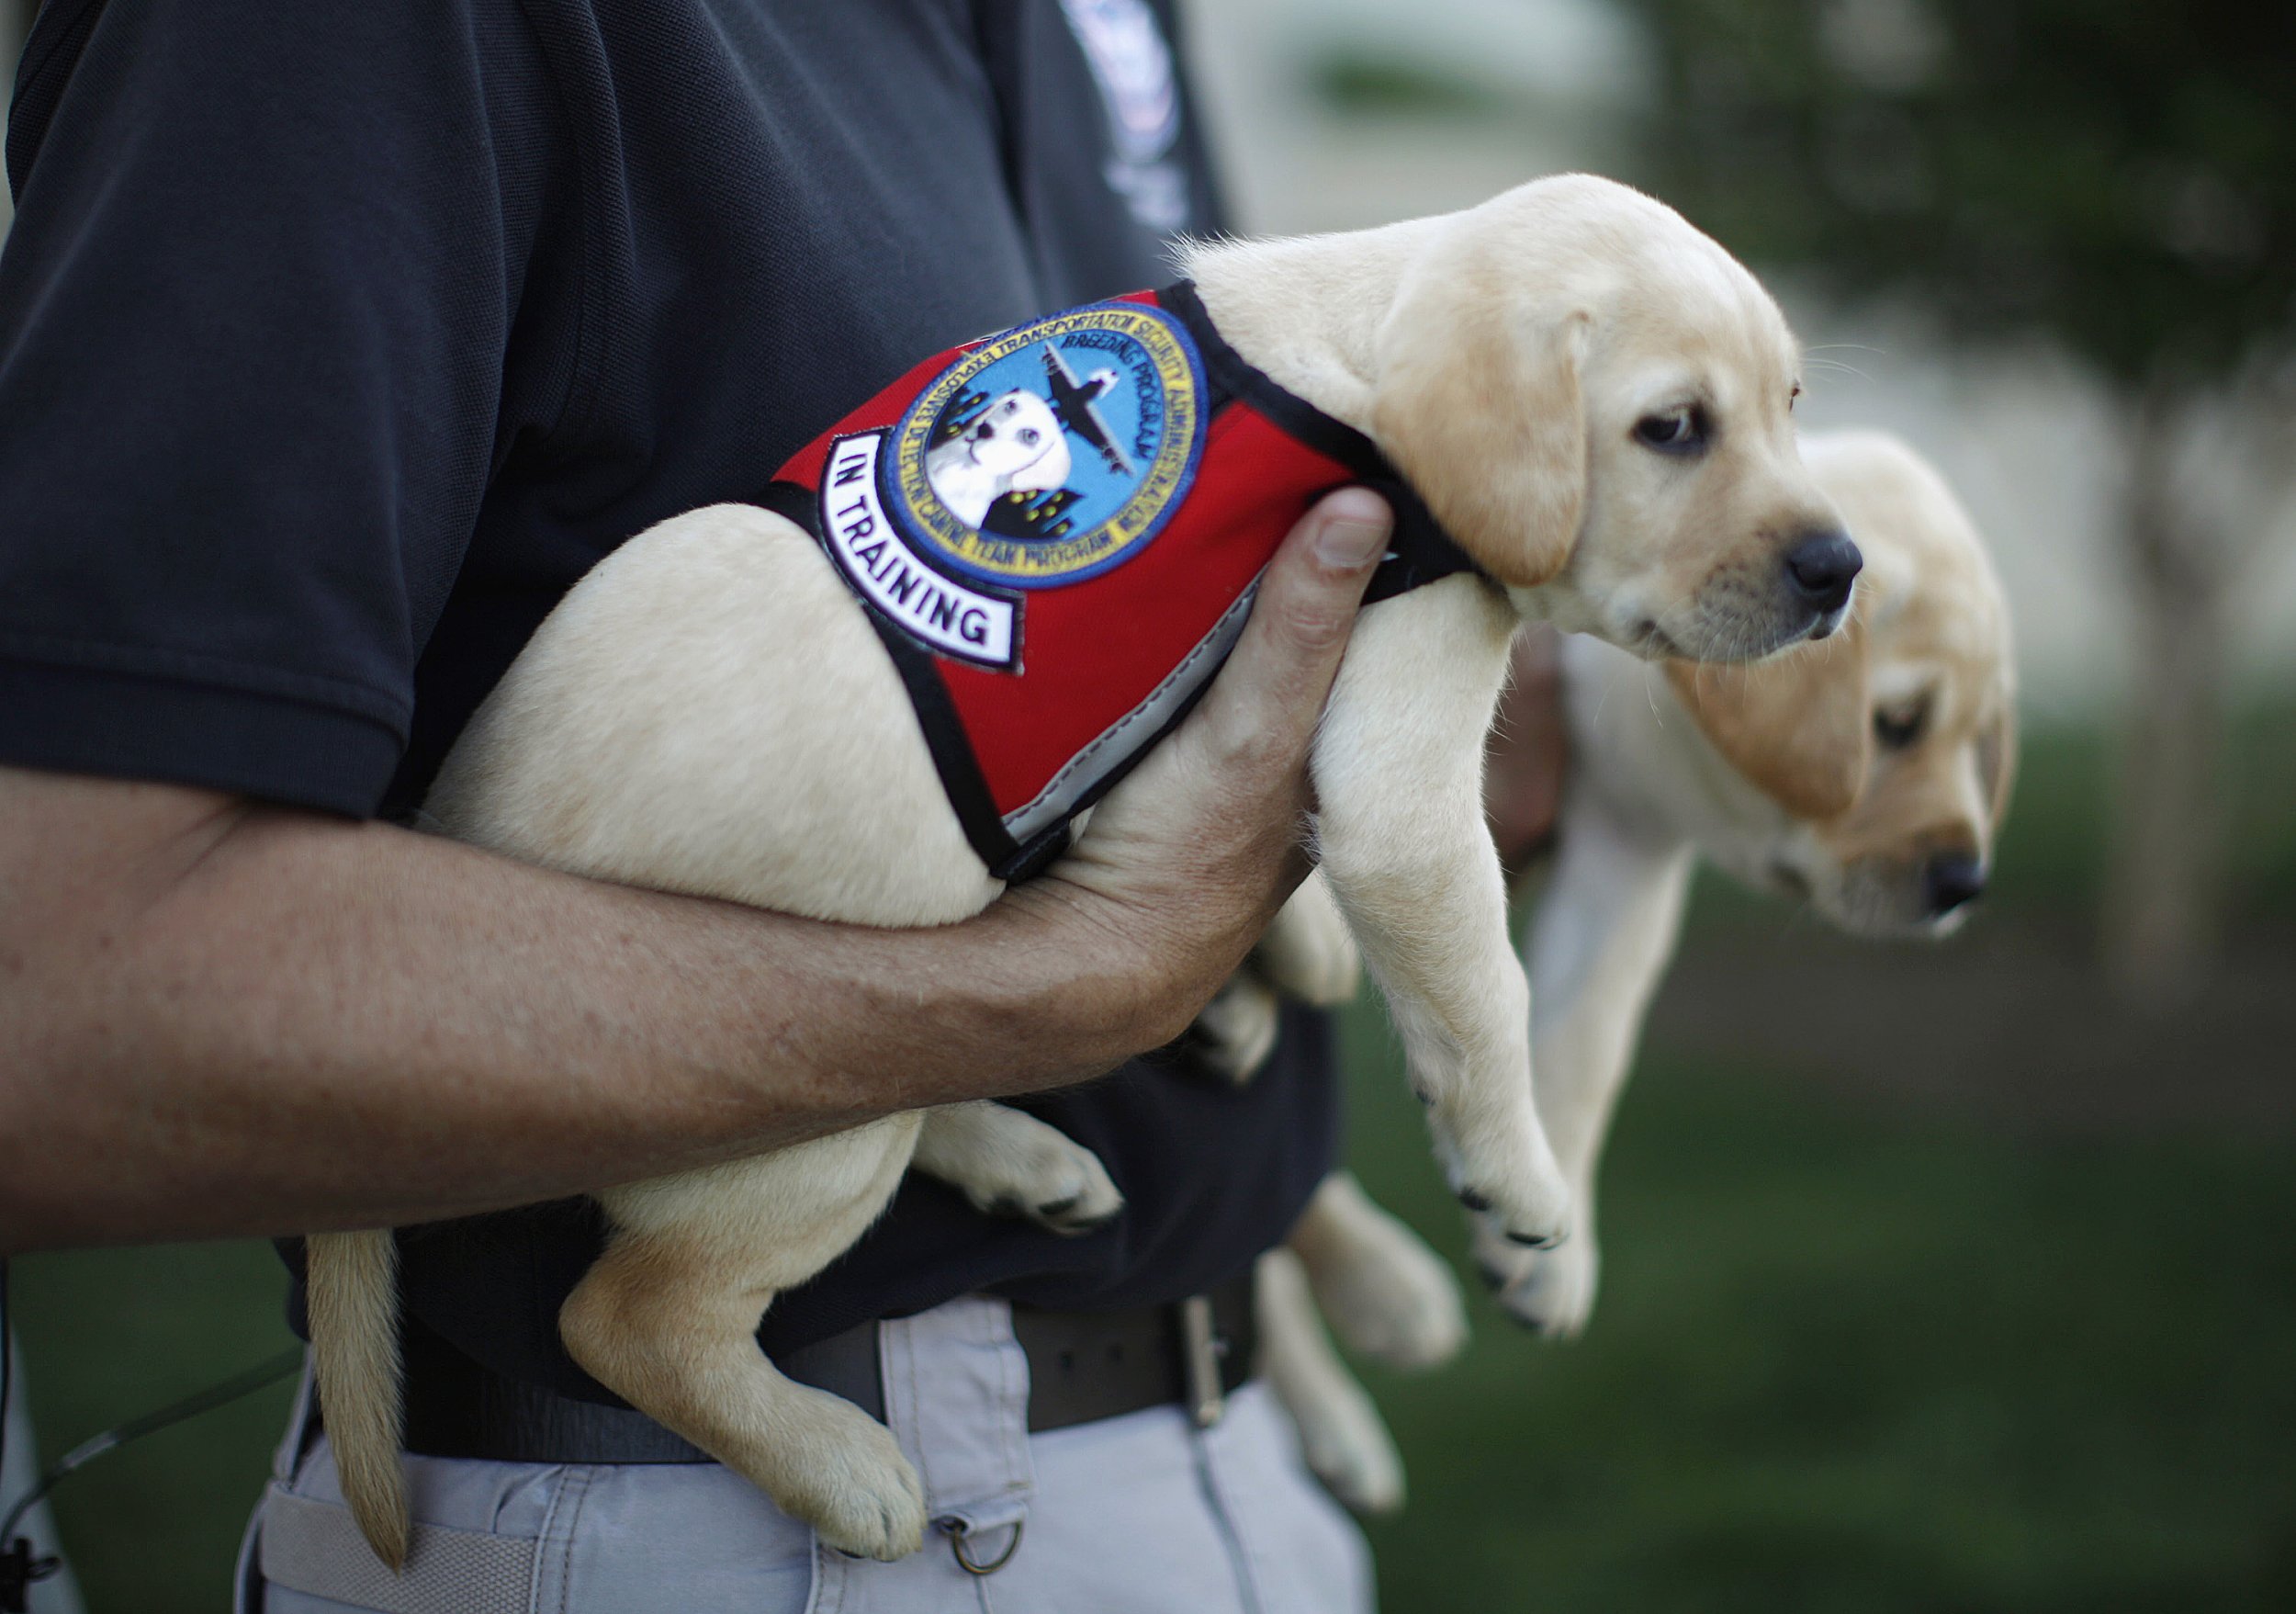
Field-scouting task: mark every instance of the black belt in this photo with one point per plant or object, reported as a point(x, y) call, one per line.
point(1082, 1366)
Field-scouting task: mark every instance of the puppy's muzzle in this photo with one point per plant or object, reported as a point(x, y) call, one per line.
point(1821, 570)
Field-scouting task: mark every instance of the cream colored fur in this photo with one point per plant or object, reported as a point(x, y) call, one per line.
point(1387, 1296)
point(1342, 1436)
point(1652, 793)
point(1307, 953)
point(650, 734)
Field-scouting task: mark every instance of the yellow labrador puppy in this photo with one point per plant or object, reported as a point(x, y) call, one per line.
point(1868, 774)
point(1590, 398)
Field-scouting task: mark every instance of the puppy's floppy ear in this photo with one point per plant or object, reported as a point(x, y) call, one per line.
point(1798, 725)
point(1478, 404)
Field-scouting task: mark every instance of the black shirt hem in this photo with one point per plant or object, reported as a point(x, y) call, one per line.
point(127, 725)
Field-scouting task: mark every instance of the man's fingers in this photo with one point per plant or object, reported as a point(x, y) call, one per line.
point(1272, 689)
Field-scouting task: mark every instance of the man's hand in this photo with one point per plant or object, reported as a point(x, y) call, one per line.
point(221, 1018)
point(1191, 856)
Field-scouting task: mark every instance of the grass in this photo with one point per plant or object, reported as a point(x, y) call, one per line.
point(1843, 1365)
point(110, 1334)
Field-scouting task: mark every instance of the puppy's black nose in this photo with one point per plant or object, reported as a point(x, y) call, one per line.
point(1822, 567)
point(1952, 879)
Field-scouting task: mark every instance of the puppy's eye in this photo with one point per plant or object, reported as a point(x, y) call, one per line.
point(1678, 431)
point(1895, 728)
point(1028, 435)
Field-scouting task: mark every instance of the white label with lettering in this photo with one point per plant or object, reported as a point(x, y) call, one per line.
point(929, 605)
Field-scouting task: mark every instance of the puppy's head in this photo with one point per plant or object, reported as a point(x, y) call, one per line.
point(1594, 398)
point(1017, 436)
point(1891, 748)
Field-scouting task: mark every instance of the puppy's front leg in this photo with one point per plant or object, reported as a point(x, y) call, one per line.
point(1399, 777)
point(1605, 928)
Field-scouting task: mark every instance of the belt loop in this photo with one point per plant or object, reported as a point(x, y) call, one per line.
point(1199, 1362)
point(957, 1399)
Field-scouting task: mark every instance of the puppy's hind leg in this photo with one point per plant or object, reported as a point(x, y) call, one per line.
point(1379, 1286)
point(668, 1319)
point(1342, 1436)
point(1009, 1163)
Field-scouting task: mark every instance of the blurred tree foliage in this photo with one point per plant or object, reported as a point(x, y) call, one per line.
point(2116, 177)
point(2118, 174)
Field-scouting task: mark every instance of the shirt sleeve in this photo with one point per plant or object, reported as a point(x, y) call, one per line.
point(253, 317)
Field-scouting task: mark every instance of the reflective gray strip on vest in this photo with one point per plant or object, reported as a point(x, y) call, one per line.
point(1121, 742)
point(315, 1547)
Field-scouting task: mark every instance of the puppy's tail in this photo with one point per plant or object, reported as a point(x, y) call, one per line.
point(352, 1280)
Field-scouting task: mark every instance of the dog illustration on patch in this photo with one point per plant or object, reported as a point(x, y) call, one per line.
point(987, 449)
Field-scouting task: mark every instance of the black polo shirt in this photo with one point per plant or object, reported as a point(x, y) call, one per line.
point(337, 340)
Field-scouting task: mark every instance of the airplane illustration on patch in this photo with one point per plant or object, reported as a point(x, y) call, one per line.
point(1075, 404)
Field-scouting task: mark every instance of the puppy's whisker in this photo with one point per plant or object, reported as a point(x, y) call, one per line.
point(1835, 366)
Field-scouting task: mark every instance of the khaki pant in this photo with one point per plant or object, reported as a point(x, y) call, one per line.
point(1143, 1513)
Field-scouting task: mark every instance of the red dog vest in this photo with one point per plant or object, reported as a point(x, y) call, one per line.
point(1057, 533)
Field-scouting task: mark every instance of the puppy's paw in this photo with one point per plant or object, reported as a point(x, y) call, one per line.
point(1309, 951)
point(837, 1468)
point(1389, 1297)
point(1347, 1445)
point(1060, 1186)
point(1009, 1163)
point(1236, 1031)
point(1551, 1292)
point(1507, 1175)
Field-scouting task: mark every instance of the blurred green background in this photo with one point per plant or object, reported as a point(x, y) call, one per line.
point(1949, 1278)
point(1904, 1309)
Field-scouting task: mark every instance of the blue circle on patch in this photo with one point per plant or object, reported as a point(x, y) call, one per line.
point(1055, 451)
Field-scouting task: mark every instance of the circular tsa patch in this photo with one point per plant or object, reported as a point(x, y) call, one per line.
point(1055, 451)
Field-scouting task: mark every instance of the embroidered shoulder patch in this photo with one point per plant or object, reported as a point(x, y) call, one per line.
point(1053, 452)
point(1040, 457)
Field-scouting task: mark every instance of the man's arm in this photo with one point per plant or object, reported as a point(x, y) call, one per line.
point(221, 1018)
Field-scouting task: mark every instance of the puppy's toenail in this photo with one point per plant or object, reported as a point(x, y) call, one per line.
point(1060, 1207)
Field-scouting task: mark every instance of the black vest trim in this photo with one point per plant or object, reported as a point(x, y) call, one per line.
point(1421, 552)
